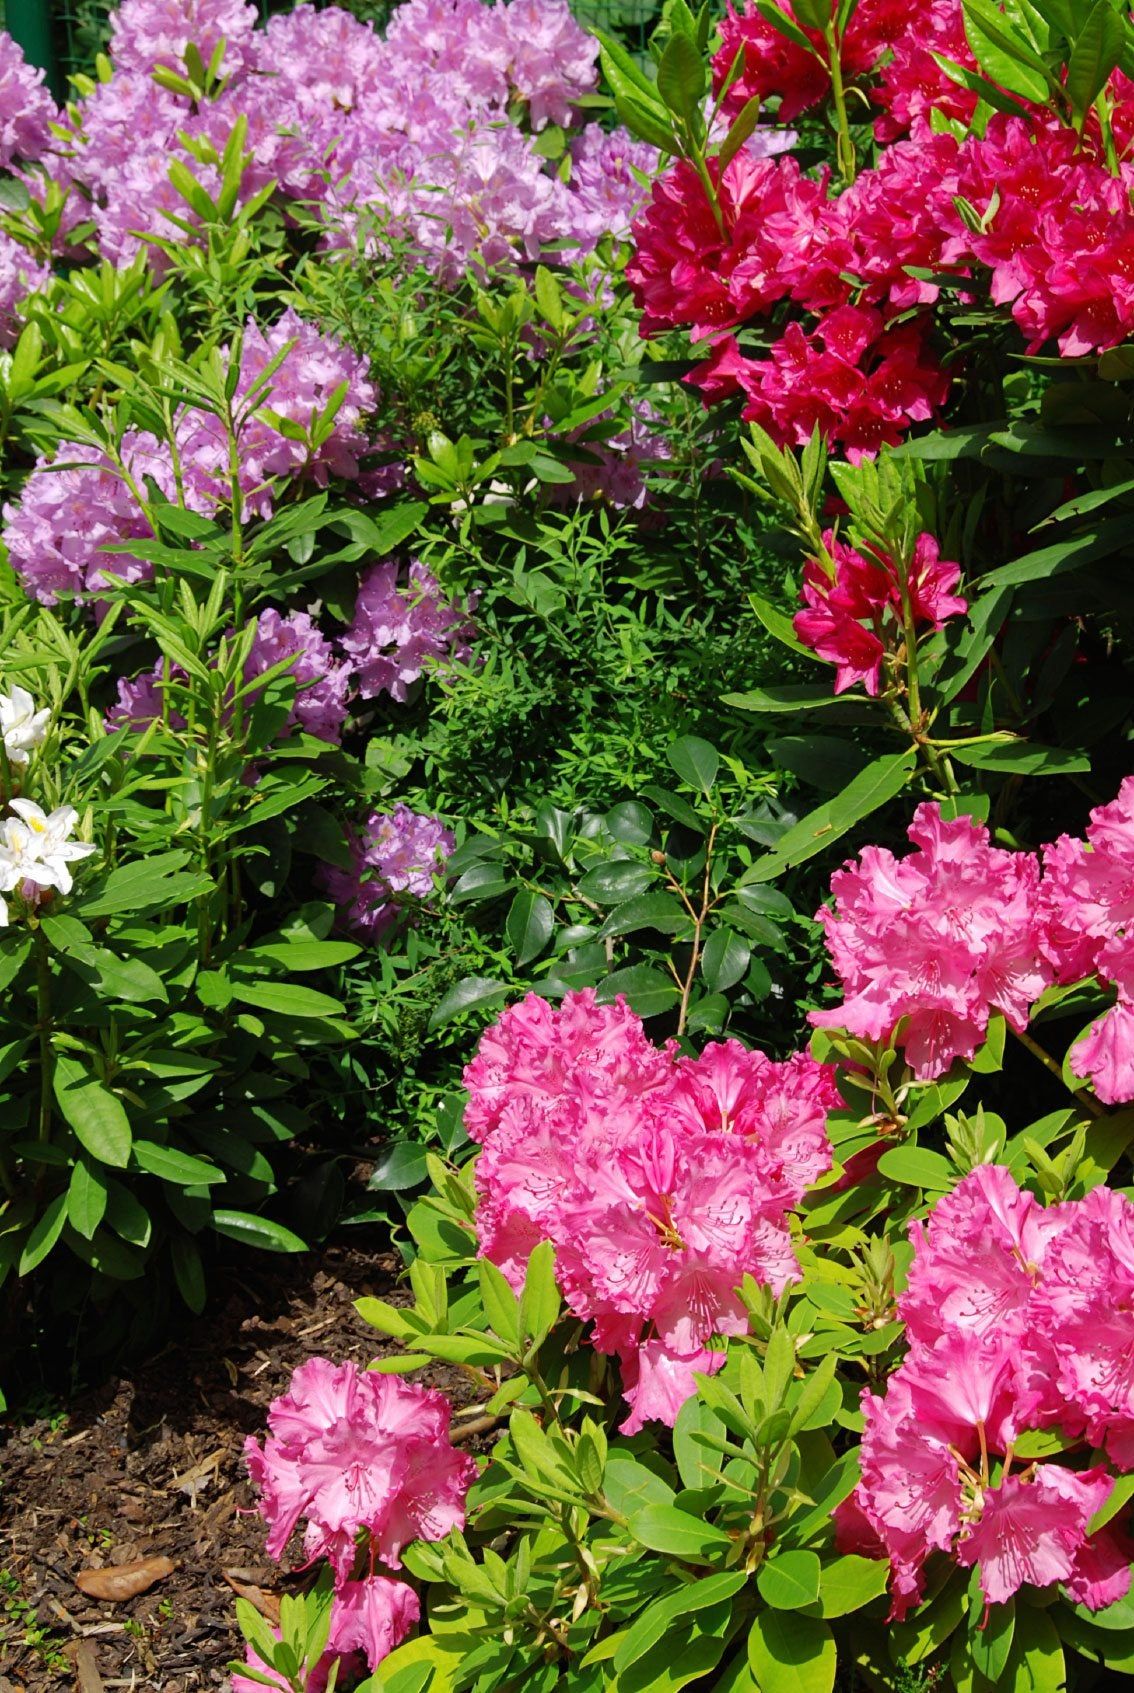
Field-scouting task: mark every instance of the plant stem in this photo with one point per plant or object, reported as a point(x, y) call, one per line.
point(43, 1025)
point(846, 156)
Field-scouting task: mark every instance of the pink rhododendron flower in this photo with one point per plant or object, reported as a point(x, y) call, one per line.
point(1031, 1529)
point(1088, 899)
point(661, 1180)
point(21, 274)
point(394, 863)
point(1017, 1319)
point(855, 617)
point(347, 1451)
point(372, 1617)
point(401, 631)
point(935, 941)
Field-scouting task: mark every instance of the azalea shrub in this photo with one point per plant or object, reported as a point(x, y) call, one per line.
point(795, 1330)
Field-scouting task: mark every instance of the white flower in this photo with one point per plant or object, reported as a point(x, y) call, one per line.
point(22, 726)
point(36, 847)
point(3, 912)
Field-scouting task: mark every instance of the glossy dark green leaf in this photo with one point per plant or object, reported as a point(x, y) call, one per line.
point(529, 925)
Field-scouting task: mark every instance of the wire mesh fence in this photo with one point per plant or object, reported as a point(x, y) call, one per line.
point(65, 35)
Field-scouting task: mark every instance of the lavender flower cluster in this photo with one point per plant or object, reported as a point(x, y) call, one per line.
point(411, 137)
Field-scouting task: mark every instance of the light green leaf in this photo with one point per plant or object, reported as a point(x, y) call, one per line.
point(791, 1653)
point(86, 1199)
point(44, 1235)
point(1096, 53)
point(286, 999)
point(471, 993)
point(252, 1230)
point(665, 1528)
point(789, 1580)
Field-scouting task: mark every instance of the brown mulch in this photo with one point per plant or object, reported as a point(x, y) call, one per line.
point(149, 1465)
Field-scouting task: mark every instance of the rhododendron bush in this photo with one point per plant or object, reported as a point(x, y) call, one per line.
point(799, 1351)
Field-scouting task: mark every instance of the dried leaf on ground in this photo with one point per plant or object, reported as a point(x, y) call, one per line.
point(124, 1581)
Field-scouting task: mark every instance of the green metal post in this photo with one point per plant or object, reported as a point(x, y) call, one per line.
point(29, 24)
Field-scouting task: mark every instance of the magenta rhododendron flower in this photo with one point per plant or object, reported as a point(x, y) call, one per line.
point(401, 630)
point(927, 946)
point(855, 617)
point(777, 65)
point(1018, 1318)
point(394, 863)
point(351, 1451)
point(661, 1180)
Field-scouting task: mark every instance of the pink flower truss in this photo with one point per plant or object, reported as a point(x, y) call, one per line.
point(606, 195)
point(399, 633)
point(926, 946)
point(395, 863)
point(1016, 1319)
point(351, 1451)
point(661, 1181)
point(1088, 896)
point(26, 108)
point(855, 616)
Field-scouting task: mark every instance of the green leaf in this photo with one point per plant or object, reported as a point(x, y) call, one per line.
point(170, 1165)
point(44, 1235)
point(96, 1115)
point(630, 822)
point(1022, 758)
point(743, 127)
point(188, 1271)
point(695, 761)
point(399, 1166)
point(682, 77)
point(779, 625)
point(791, 1653)
point(1112, 535)
point(872, 788)
point(664, 1528)
point(251, 1230)
point(148, 884)
point(471, 993)
point(849, 1582)
point(500, 1303)
point(990, 1638)
point(647, 991)
point(539, 1302)
point(654, 1623)
point(917, 1166)
point(86, 1199)
point(1038, 1647)
point(793, 697)
point(1096, 53)
point(299, 955)
point(529, 926)
point(1007, 56)
point(286, 999)
point(660, 911)
point(725, 959)
point(789, 1580)
point(621, 879)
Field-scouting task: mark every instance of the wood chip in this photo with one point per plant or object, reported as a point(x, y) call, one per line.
point(88, 1680)
point(199, 1476)
point(123, 1581)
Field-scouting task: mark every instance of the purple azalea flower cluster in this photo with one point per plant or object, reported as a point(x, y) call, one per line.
point(397, 859)
point(21, 274)
point(397, 634)
point(79, 501)
point(26, 108)
point(409, 137)
point(400, 631)
point(322, 683)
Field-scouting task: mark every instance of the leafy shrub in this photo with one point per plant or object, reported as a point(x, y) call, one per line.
point(871, 1417)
